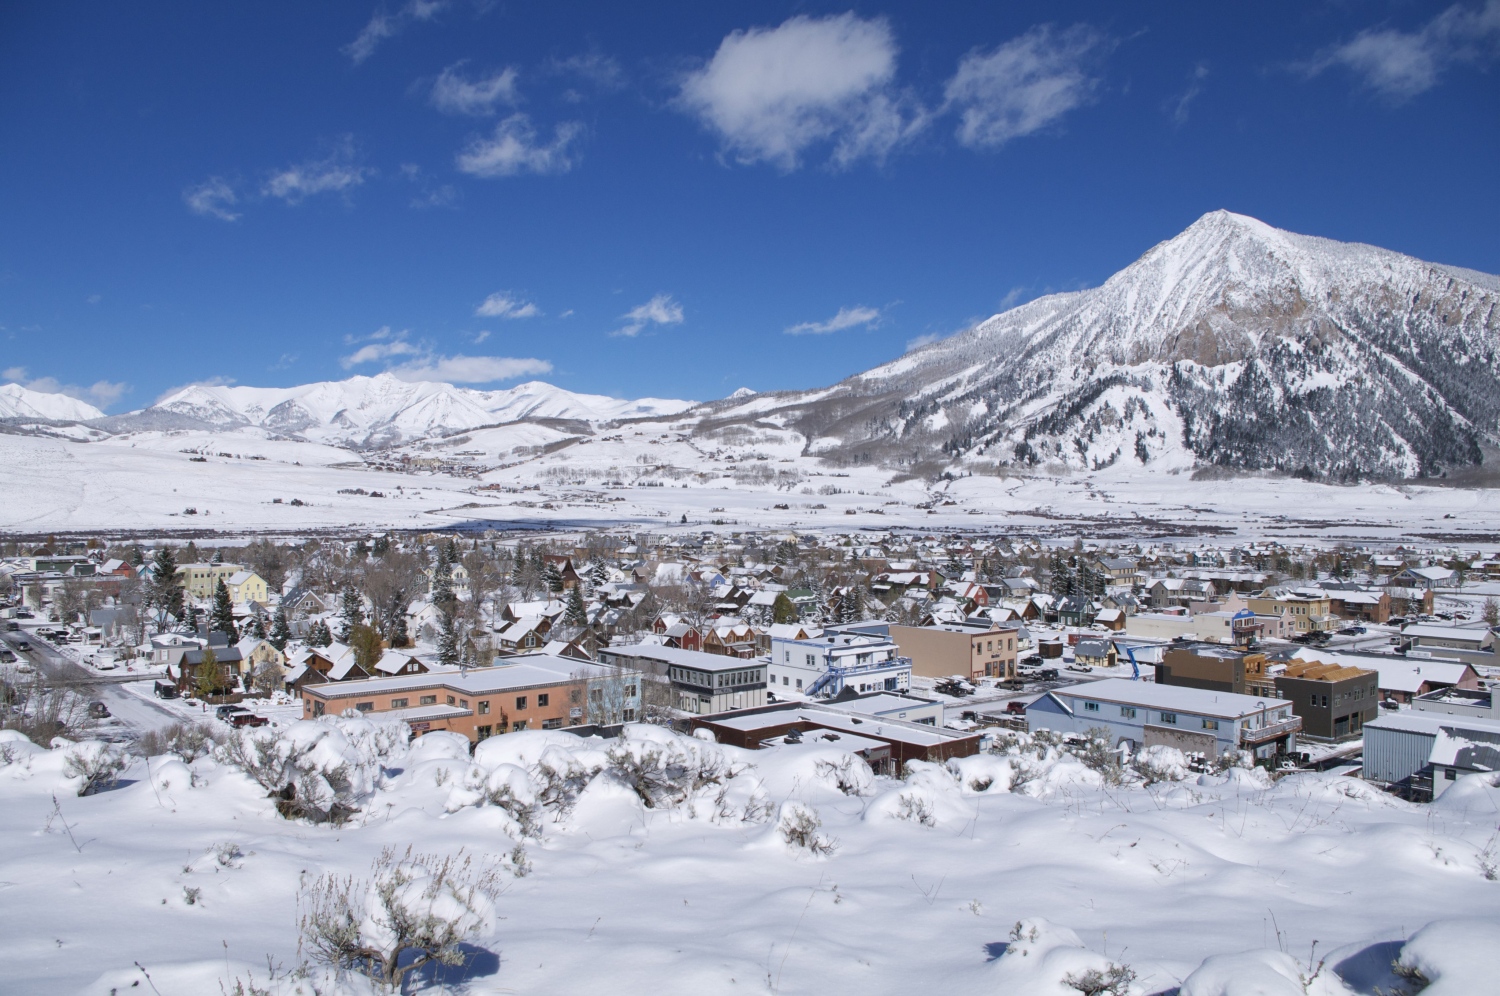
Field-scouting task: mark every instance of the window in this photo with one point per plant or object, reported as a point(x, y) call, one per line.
point(1314, 698)
point(629, 694)
point(484, 707)
point(520, 702)
point(448, 699)
point(427, 700)
point(1210, 724)
point(785, 680)
point(1325, 702)
point(1091, 707)
point(1127, 712)
point(628, 716)
point(1450, 774)
point(1170, 718)
point(799, 683)
point(519, 724)
point(365, 706)
point(483, 731)
point(574, 695)
point(788, 656)
point(317, 708)
point(399, 703)
point(463, 703)
point(544, 698)
point(552, 724)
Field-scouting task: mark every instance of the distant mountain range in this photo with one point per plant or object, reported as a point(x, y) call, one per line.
point(1233, 345)
point(360, 413)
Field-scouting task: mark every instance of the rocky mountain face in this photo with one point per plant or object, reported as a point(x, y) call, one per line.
point(1233, 345)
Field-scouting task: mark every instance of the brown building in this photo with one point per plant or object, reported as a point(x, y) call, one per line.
point(942, 651)
point(1334, 701)
point(752, 728)
point(528, 692)
point(1209, 666)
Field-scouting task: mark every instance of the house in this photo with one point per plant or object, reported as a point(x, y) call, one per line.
point(1193, 720)
point(316, 665)
point(246, 587)
point(682, 635)
point(226, 660)
point(978, 652)
point(1075, 610)
point(117, 568)
point(1111, 619)
point(1424, 753)
point(168, 648)
point(1410, 601)
point(398, 662)
point(701, 683)
point(1121, 570)
point(1424, 578)
point(1310, 609)
point(735, 640)
point(1095, 653)
point(526, 635)
point(826, 665)
point(532, 691)
point(771, 726)
point(255, 651)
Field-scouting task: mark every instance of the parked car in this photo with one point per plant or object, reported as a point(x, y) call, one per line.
point(12, 626)
point(7, 657)
point(1075, 666)
point(165, 690)
point(243, 719)
point(1048, 674)
point(22, 645)
point(98, 710)
point(1015, 708)
point(227, 711)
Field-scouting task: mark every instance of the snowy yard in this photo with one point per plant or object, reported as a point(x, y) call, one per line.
point(188, 874)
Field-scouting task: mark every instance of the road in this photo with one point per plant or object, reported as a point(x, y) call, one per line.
point(132, 713)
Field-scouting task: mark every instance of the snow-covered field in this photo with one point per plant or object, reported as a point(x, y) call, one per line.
point(652, 475)
point(1223, 885)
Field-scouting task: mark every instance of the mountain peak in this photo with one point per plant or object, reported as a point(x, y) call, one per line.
point(22, 402)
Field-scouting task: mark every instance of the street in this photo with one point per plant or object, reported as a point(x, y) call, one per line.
point(130, 713)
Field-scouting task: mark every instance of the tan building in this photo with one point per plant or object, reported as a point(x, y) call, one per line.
point(529, 692)
point(246, 586)
point(199, 580)
point(941, 651)
point(1307, 612)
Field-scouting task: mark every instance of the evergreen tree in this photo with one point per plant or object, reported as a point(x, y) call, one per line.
point(552, 578)
point(137, 559)
point(395, 620)
point(164, 592)
point(352, 612)
point(217, 558)
point(281, 630)
point(448, 642)
point(598, 575)
point(577, 614)
point(442, 579)
point(222, 617)
point(318, 635)
point(256, 627)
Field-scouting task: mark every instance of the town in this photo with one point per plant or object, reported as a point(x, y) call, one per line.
point(1369, 661)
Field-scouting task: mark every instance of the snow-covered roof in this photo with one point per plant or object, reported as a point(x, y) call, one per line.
point(1173, 698)
point(524, 671)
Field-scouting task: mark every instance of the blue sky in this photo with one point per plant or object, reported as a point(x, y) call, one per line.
point(678, 199)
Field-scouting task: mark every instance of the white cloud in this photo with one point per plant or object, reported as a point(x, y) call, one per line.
point(1195, 86)
point(1400, 65)
point(660, 310)
point(512, 149)
point(771, 93)
point(383, 25)
point(592, 67)
point(213, 198)
point(480, 336)
point(101, 393)
point(453, 94)
point(847, 318)
point(335, 173)
point(503, 304)
point(1023, 85)
point(471, 369)
point(382, 344)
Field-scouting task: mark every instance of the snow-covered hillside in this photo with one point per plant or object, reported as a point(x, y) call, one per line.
point(665, 864)
point(1234, 344)
point(366, 412)
point(23, 403)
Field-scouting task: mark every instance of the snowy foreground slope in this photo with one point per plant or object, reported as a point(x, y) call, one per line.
point(994, 874)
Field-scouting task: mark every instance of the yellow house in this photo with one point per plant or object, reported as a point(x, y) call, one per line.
point(1308, 612)
point(246, 586)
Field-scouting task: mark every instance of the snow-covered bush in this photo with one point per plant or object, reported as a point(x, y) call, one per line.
point(322, 770)
point(188, 741)
point(849, 774)
point(1159, 763)
point(506, 787)
point(914, 809)
point(665, 769)
point(800, 826)
point(1044, 958)
point(94, 763)
point(414, 910)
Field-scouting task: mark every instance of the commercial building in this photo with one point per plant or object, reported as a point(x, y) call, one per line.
point(826, 665)
point(1423, 753)
point(701, 683)
point(942, 651)
point(531, 691)
point(1335, 701)
point(1190, 719)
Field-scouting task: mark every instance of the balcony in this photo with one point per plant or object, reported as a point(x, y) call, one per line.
point(1271, 731)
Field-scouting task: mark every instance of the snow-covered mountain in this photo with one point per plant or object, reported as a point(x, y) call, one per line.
point(375, 411)
point(20, 402)
point(1234, 344)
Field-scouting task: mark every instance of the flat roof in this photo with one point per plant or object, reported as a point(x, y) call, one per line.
point(1475, 633)
point(1173, 698)
point(880, 703)
point(1432, 723)
point(820, 737)
point(678, 657)
point(826, 716)
point(525, 671)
